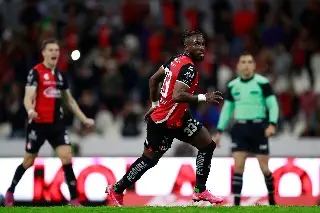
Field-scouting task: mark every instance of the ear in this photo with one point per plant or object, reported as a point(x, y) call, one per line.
point(185, 47)
point(254, 65)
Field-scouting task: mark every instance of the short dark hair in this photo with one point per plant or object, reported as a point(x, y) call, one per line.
point(48, 41)
point(245, 53)
point(188, 33)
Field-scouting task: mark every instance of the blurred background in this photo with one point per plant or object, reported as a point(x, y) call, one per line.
point(110, 48)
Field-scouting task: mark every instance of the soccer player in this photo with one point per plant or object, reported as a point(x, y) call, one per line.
point(168, 119)
point(249, 95)
point(45, 90)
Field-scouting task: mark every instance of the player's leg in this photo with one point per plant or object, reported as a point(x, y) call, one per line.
point(263, 162)
point(34, 140)
point(137, 169)
point(198, 136)
point(239, 148)
point(59, 140)
point(237, 178)
point(261, 149)
point(156, 144)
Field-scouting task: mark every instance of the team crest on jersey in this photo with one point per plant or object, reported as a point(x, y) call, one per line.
point(46, 76)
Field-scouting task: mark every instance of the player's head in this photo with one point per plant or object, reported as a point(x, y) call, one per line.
point(50, 51)
point(194, 44)
point(246, 65)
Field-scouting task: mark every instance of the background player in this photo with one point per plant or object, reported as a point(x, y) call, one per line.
point(248, 95)
point(169, 119)
point(45, 88)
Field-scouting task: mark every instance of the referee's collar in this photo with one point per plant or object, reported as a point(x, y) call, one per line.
point(247, 79)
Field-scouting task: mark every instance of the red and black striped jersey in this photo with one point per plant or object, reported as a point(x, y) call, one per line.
point(179, 68)
point(50, 85)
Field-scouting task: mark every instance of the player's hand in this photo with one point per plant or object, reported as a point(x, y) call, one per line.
point(147, 115)
point(32, 114)
point(214, 97)
point(217, 139)
point(88, 122)
point(270, 131)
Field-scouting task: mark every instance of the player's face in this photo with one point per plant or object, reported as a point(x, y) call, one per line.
point(51, 54)
point(246, 65)
point(195, 45)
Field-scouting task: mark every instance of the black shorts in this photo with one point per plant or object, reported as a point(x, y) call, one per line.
point(250, 137)
point(55, 134)
point(160, 137)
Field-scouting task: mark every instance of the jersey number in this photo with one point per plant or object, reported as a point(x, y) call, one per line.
point(166, 83)
point(190, 129)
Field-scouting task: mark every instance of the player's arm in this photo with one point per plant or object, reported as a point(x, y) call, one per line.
point(154, 85)
point(226, 112)
point(185, 78)
point(73, 105)
point(30, 93)
point(271, 103)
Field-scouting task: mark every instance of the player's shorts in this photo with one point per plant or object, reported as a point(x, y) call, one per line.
point(160, 137)
point(249, 136)
point(37, 134)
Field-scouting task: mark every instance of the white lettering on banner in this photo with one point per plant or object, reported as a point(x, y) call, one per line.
point(293, 177)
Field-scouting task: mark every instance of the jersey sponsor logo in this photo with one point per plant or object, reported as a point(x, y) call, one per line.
point(52, 92)
point(53, 83)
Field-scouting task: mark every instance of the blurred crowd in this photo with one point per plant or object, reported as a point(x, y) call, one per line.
point(122, 43)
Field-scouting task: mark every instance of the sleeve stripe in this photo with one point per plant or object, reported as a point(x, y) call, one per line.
point(183, 83)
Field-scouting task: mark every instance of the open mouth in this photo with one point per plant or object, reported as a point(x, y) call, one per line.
point(54, 58)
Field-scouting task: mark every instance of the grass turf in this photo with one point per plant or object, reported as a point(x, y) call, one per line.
point(251, 209)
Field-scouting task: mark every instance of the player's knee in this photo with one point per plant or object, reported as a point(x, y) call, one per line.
point(66, 158)
point(28, 161)
point(209, 148)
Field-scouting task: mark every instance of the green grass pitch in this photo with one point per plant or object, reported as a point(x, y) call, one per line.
point(213, 209)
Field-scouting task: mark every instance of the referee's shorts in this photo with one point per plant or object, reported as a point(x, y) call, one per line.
point(249, 136)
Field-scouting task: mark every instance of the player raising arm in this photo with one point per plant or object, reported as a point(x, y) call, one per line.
point(249, 95)
point(168, 119)
point(46, 86)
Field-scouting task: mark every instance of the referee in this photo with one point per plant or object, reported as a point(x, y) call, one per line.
point(248, 96)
